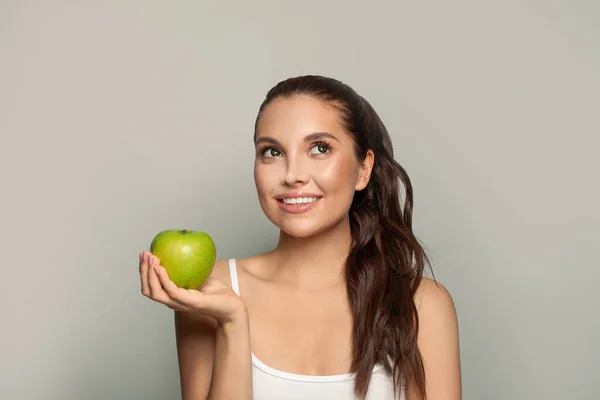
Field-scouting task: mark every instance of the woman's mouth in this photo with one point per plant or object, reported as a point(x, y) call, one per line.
point(299, 200)
point(299, 204)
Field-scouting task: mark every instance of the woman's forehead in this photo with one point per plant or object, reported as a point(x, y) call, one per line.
point(296, 116)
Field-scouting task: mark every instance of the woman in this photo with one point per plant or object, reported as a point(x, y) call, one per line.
point(339, 309)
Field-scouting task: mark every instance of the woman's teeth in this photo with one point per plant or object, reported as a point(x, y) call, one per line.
point(300, 200)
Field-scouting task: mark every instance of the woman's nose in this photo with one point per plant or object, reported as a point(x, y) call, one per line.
point(296, 173)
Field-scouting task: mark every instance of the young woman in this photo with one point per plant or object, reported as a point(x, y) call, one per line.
point(339, 309)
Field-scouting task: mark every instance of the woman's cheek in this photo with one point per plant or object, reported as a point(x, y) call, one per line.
point(335, 175)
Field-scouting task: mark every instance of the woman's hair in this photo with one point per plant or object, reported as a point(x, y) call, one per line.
point(385, 263)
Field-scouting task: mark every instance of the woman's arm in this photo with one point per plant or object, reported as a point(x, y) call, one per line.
point(212, 356)
point(195, 337)
point(212, 332)
point(232, 368)
point(438, 342)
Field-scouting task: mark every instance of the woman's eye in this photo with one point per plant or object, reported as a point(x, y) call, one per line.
point(271, 152)
point(320, 148)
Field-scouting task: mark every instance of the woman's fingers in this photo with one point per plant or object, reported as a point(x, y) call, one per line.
point(156, 289)
point(151, 286)
point(176, 293)
point(157, 285)
point(144, 274)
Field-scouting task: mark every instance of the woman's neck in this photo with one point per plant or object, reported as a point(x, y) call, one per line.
point(318, 258)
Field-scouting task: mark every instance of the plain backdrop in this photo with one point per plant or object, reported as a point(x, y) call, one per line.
point(122, 118)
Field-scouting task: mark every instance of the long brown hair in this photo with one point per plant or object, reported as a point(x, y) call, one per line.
point(386, 262)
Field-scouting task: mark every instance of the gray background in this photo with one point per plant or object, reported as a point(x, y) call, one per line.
point(122, 118)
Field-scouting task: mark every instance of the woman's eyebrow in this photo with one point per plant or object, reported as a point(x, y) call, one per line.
point(308, 138)
point(266, 139)
point(319, 135)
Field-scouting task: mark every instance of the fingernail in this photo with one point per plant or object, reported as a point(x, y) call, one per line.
point(156, 270)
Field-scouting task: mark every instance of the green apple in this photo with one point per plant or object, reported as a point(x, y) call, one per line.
point(187, 255)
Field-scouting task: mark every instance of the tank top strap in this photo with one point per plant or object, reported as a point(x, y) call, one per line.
point(235, 284)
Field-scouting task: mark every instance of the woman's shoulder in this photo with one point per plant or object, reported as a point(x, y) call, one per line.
point(222, 270)
point(433, 299)
point(438, 339)
point(430, 290)
point(438, 322)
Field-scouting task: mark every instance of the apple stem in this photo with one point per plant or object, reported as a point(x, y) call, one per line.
point(184, 231)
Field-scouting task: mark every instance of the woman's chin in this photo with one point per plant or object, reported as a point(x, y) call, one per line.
point(301, 229)
point(306, 226)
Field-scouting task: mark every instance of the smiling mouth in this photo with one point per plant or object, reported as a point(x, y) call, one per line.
point(299, 201)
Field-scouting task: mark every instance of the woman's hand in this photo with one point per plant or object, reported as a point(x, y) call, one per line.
point(214, 299)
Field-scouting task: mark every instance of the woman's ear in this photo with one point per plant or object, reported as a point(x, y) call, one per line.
point(364, 173)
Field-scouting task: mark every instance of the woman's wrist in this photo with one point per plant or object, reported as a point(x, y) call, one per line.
point(238, 322)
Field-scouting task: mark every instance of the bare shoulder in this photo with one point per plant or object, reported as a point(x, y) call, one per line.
point(437, 315)
point(244, 267)
point(221, 271)
point(438, 340)
point(433, 299)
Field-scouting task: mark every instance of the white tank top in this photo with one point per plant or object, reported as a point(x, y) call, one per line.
point(272, 384)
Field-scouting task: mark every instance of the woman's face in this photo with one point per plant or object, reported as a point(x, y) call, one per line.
point(306, 170)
